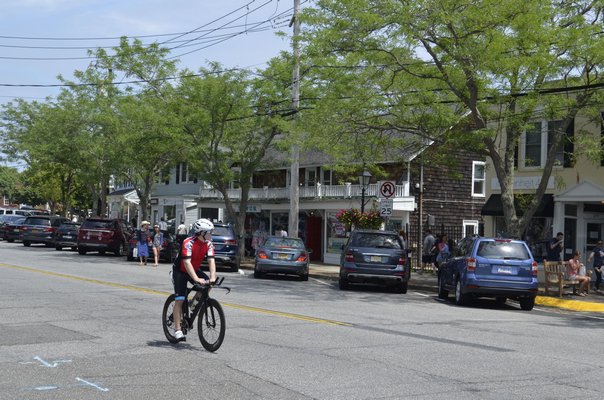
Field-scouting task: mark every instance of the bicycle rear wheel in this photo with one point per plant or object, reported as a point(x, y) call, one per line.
point(211, 325)
point(167, 319)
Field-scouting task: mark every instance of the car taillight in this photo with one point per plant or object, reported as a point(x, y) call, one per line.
point(535, 268)
point(230, 242)
point(471, 264)
point(49, 229)
point(401, 262)
point(349, 257)
point(262, 254)
point(301, 258)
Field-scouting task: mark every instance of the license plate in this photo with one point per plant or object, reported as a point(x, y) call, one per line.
point(504, 270)
point(36, 230)
point(68, 237)
point(281, 256)
point(375, 259)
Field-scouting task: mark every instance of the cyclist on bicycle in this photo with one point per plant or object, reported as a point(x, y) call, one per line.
point(187, 267)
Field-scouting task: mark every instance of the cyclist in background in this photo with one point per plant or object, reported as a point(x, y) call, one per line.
point(187, 267)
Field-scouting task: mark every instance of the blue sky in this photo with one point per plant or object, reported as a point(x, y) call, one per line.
point(74, 25)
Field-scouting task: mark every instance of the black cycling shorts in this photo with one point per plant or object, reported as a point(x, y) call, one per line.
point(180, 281)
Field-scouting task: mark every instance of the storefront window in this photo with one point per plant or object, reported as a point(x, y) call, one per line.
point(279, 221)
point(336, 233)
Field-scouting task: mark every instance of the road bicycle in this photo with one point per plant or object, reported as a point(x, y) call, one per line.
point(211, 324)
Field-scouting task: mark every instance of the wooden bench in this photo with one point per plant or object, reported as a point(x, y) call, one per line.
point(556, 276)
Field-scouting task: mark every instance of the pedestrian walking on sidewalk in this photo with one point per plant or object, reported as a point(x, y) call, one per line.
point(597, 254)
point(427, 251)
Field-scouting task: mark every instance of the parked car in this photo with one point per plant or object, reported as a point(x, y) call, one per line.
point(168, 251)
point(6, 221)
point(66, 235)
point(40, 229)
point(104, 234)
point(372, 256)
point(226, 246)
point(490, 267)
point(282, 255)
point(12, 229)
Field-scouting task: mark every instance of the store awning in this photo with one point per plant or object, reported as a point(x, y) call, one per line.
point(494, 207)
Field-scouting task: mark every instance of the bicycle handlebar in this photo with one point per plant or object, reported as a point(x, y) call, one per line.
point(216, 283)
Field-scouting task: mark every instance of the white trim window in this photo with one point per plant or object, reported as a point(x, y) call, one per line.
point(536, 143)
point(478, 178)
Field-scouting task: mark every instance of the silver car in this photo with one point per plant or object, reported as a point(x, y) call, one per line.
point(282, 255)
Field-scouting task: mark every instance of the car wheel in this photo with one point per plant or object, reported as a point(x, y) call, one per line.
point(81, 250)
point(129, 256)
point(26, 244)
point(58, 248)
point(343, 283)
point(102, 252)
point(304, 277)
point(527, 303)
point(460, 298)
point(10, 240)
point(402, 287)
point(74, 248)
point(442, 292)
point(257, 273)
point(501, 300)
point(235, 267)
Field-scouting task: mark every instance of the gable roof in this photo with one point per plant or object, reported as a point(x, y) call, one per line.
point(585, 191)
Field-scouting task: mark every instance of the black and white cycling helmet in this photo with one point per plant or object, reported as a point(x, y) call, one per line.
point(201, 226)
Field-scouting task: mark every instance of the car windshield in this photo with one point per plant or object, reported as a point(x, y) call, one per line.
point(37, 221)
point(284, 243)
point(503, 250)
point(98, 224)
point(376, 240)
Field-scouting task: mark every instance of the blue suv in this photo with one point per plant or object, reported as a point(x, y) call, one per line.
point(489, 267)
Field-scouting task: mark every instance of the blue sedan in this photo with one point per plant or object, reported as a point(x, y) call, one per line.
point(282, 255)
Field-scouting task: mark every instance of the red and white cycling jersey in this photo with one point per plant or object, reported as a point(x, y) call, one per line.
point(197, 250)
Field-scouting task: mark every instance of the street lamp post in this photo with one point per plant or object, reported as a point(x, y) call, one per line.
point(364, 181)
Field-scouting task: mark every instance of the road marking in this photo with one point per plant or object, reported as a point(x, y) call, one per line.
point(165, 294)
point(52, 364)
point(40, 388)
point(321, 282)
point(92, 384)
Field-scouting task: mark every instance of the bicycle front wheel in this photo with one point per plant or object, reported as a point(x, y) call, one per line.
point(211, 325)
point(167, 319)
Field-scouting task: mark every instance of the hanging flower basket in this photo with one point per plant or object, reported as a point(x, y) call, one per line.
point(353, 217)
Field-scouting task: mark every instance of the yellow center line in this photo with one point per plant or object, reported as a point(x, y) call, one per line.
point(165, 294)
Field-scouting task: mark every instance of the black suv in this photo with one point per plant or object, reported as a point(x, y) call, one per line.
point(102, 234)
point(40, 229)
point(372, 256)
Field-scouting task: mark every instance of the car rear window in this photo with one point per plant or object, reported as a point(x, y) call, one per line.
point(284, 242)
point(37, 221)
point(376, 240)
point(98, 224)
point(222, 231)
point(503, 250)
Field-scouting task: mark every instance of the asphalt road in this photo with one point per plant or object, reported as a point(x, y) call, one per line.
point(88, 327)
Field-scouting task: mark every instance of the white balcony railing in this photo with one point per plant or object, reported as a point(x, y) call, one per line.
point(306, 192)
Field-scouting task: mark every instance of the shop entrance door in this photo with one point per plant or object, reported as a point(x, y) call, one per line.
point(313, 237)
point(595, 232)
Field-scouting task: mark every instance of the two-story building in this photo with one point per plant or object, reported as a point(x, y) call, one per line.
point(446, 201)
point(574, 199)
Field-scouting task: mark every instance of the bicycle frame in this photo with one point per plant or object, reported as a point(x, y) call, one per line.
point(203, 292)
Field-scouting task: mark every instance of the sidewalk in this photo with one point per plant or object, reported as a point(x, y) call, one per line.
point(594, 302)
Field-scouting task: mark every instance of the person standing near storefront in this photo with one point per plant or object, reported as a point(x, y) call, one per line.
point(597, 254)
point(555, 247)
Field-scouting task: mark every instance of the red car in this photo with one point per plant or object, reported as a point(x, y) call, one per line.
point(103, 234)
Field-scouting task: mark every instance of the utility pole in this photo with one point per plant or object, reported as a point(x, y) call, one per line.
point(294, 193)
